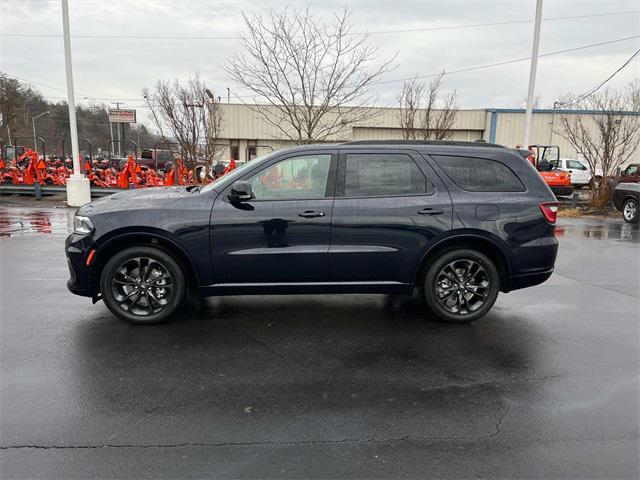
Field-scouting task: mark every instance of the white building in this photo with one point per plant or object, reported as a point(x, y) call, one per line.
point(248, 134)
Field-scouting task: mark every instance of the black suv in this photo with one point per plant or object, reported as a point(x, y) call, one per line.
point(458, 221)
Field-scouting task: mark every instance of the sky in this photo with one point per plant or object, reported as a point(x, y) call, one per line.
point(116, 69)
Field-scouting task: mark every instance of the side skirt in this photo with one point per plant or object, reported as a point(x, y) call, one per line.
point(304, 288)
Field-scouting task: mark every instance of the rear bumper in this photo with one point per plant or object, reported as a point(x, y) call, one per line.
point(517, 282)
point(533, 263)
point(562, 190)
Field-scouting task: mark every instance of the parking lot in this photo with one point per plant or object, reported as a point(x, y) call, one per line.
point(322, 386)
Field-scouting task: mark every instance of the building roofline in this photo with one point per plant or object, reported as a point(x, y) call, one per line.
point(556, 111)
point(486, 109)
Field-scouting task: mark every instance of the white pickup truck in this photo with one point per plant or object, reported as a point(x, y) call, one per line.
point(580, 173)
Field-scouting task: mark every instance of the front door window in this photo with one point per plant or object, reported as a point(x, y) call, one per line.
point(297, 178)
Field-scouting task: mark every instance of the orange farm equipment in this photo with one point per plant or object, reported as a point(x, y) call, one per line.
point(544, 157)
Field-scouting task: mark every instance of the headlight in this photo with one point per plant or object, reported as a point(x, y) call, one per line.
point(82, 224)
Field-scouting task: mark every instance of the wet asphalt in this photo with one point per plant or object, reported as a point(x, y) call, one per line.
point(322, 386)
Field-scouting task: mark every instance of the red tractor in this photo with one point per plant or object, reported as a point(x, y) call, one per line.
point(544, 158)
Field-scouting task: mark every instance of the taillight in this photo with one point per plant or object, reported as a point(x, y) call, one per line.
point(550, 211)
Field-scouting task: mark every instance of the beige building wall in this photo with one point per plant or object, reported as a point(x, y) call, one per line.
point(244, 127)
point(510, 131)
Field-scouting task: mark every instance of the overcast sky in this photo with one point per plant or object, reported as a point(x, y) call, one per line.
point(112, 69)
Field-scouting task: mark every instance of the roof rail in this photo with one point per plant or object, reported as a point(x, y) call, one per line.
point(477, 143)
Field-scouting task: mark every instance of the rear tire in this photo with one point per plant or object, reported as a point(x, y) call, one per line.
point(460, 286)
point(142, 285)
point(630, 211)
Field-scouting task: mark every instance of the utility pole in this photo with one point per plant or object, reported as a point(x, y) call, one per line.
point(193, 130)
point(532, 73)
point(117, 104)
point(78, 187)
point(111, 131)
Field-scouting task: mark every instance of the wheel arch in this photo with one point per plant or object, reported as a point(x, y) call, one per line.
point(474, 241)
point(151, 238)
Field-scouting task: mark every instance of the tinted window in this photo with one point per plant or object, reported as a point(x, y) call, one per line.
point(303, 177)
point(376, 174)
point(479, 174)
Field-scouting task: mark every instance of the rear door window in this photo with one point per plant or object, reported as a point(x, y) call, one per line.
point(383, 174)
point(479, 174)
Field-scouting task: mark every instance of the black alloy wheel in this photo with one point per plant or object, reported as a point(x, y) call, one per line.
point(460, 286)
point(142, 285)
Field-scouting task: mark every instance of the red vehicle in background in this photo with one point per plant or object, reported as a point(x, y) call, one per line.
point(631, 174)
point(544, 158)
point(156, 159)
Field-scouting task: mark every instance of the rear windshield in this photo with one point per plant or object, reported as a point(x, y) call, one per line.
point(479, 174)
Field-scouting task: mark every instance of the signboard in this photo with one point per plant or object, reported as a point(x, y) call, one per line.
point(122, 115)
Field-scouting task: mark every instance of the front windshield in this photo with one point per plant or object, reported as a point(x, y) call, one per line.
point(238, 171)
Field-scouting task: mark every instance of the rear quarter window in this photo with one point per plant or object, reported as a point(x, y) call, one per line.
point(476, 174)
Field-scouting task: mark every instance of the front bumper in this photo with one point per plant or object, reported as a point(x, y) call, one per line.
point(77, 248)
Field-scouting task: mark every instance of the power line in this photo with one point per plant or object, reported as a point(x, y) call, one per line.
point(378, 32)
point(601, 84)
point(506, 62)
point(461, 70)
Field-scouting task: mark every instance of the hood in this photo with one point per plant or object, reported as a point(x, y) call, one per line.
point(135, 199)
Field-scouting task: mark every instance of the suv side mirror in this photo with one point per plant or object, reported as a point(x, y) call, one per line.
point(240, 192)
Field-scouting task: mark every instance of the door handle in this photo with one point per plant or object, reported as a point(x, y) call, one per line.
point(311, 214)
point(430, 211)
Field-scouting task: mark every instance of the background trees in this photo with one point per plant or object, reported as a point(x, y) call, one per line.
point(425, 112)
point(310, 80)
point(190, 114)
point(608, 137)
point(19, 102)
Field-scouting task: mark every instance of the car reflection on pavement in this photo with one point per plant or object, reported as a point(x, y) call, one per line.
point(26, 221)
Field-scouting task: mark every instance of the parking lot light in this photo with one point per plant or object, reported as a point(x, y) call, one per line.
point(78, 186)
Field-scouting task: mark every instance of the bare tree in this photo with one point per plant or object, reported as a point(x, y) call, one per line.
point(410, 100)
point(10, 94)
point(608, 137)
point(311, 81)
point(189, 114)
point(522, 104)
point(425, 113)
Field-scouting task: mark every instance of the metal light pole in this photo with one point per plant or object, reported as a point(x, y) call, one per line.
point(532, 73)
point(556, 105)
point(33, 126)
point(78, 188)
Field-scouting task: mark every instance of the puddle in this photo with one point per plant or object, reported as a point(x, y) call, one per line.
point(616, 230)
point(20, 222)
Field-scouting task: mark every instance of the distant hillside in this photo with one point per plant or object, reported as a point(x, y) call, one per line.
point(19, 102)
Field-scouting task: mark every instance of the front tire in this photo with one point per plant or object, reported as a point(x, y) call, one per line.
point(142, 285)
point(460, 286)
point(630, 211)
